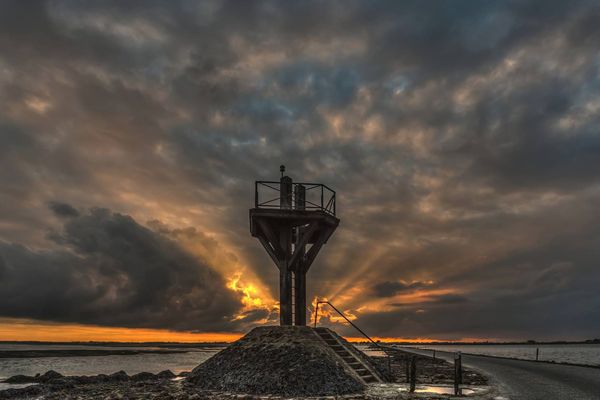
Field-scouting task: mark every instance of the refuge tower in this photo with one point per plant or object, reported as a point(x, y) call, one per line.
point(292, 220)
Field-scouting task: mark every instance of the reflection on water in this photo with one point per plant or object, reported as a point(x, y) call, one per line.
point(441, 390)
point(437, 390)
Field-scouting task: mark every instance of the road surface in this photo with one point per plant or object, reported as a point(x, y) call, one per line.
point(530, 380)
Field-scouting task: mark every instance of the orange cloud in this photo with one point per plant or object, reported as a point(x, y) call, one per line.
point(31, 330)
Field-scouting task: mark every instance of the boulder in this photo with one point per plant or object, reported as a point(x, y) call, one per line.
point(166, 374)
point(50, 375)
point(143, 376)
point(19, 379)
point(120, 376)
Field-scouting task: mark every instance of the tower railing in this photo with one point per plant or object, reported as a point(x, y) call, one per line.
point(318, 197)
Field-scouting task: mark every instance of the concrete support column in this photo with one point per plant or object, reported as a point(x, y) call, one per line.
point(300, 301)
point(285, 296)
point(285, 278)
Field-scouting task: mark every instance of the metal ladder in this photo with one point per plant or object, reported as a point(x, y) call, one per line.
point(365, 373)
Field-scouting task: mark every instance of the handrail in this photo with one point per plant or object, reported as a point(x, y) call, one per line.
point(355, 327)
point(323, 197)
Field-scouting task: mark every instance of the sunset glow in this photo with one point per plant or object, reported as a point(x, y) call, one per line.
point(27, 330)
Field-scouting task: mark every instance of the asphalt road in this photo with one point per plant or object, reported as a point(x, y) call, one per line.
point(530, 380)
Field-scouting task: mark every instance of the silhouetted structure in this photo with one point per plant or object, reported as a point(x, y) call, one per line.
point(293, 227)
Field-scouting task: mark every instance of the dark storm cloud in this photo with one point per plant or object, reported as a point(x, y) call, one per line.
point(109, 270)
point(461, 137)
point(63, 209)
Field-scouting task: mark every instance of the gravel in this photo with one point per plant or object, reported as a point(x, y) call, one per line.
point(277, 360)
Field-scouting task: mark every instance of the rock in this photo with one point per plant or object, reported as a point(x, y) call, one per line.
point(84, 380)
point(61, 383)
point(143, 376)
point(27, 392)
point(166, 374)
point(50, 375)
point(120, 376)
point(21, 379)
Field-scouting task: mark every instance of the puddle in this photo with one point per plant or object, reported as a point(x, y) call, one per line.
point(387, 389)
point(442, 390)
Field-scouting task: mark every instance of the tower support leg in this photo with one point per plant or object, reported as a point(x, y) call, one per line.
point(285, 295)
point(300, 300)
point(285, 277)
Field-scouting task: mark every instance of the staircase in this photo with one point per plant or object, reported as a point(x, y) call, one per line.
point(364, 372)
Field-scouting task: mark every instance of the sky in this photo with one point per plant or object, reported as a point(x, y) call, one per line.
point(462, 138)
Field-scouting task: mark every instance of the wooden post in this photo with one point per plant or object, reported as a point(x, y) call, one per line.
point(457, 373)
point(407, 368)
point(537, 354)
point(413, 373)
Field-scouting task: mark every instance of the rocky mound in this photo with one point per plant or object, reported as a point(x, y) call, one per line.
point(277, 360)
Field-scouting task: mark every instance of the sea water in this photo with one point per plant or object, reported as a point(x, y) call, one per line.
point(586, 354)
point(94, 365)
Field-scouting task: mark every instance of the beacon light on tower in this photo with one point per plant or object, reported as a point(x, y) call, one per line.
point(292, 221)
